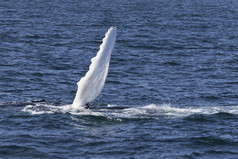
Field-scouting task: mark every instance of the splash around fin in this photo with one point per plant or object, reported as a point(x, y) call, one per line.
point(88, 106)
point(107, 108)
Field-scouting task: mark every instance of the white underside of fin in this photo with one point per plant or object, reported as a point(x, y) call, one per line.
point(90, 86)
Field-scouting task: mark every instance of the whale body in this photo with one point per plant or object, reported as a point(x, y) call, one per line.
point(90, 86)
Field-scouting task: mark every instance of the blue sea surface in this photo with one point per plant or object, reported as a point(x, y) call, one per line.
point(175, 64)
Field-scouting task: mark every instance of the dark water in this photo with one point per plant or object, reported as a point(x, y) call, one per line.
point(174, 63)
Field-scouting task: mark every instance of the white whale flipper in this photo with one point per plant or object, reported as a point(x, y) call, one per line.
point(90, 86)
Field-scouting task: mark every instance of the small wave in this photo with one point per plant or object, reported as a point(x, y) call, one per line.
point(148, 111)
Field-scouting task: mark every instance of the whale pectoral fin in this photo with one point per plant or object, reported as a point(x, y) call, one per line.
point(91, 85)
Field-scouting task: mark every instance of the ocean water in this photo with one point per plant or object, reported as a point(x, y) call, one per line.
point(174, 64)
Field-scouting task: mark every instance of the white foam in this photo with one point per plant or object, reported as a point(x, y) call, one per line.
point(148, 111)
point(41, 108)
